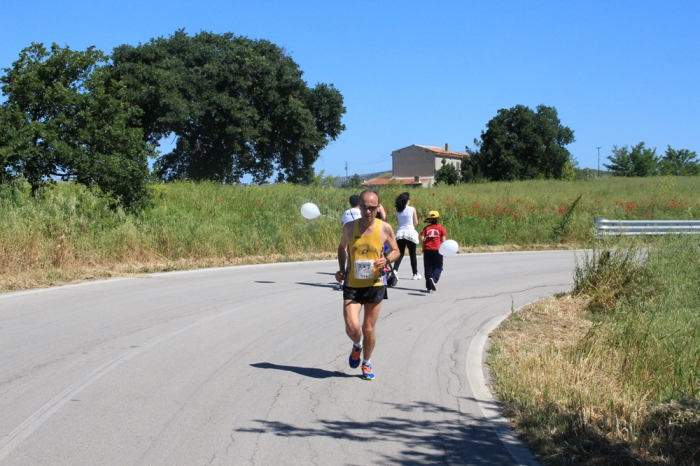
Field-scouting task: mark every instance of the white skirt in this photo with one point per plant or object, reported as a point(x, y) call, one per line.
point(410, 235)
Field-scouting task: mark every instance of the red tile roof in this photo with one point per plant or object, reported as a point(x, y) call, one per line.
point(443, 151)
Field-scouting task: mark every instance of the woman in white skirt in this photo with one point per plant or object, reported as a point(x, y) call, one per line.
point(406, 234)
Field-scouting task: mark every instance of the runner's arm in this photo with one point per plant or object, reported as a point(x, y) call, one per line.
point(381, 213)
point(388, 237)
point(343, 251)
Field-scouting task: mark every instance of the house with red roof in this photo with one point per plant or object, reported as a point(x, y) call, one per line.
point(423, 161)
point(416, 165)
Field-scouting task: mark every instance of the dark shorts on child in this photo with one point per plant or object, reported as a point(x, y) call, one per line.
point(371, 294)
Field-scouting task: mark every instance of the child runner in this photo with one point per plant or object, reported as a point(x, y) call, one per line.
point(431, 238)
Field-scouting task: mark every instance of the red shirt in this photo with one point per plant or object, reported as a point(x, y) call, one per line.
point(432, 234)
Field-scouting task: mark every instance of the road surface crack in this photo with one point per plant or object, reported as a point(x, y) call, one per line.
point(505, 293)
point(233, 436)
point(262, 430)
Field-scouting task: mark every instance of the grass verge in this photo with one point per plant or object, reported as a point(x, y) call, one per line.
point(609, 374)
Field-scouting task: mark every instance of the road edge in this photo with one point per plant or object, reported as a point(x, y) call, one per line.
point(485, 399)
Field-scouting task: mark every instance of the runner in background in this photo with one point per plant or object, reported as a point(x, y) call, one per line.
point(406, 234)
point(381, 213)
point(431, 238)
point(353, 213)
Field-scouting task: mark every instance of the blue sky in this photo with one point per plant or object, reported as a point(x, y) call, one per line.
point(431, 72)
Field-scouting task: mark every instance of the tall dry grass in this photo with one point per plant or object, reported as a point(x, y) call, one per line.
point(612, 375)
point(69, 233)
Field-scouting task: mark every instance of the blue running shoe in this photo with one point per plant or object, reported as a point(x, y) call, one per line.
point(355, 356)
point(367, 373)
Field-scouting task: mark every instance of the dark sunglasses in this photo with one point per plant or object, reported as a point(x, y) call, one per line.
point(371, 208)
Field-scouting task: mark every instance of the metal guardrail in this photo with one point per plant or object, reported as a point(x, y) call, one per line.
point(605, 227)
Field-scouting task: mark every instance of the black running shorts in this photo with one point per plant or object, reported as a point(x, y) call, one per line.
point(371, 294)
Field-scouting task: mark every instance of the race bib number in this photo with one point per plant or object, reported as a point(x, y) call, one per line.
point(364, 269)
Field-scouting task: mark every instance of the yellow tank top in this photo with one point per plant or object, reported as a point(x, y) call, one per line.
point(364, 250)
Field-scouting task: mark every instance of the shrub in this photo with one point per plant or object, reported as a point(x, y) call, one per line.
point(610, 276)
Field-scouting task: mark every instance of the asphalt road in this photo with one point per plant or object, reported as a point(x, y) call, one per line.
point(248, 365)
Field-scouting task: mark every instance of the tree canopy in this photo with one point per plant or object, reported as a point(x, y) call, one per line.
point(635, 161)
point(640, 160)
point(59, 123)
point(447, 174)
point(354, 182)
point(237, 106)
point(522, 144)
point(679, 163)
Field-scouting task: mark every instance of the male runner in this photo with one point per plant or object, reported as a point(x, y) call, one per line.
point(353, 213)
point(362, 241)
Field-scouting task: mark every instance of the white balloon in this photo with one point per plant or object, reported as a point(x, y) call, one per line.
point(449, 247)
point(310, 211)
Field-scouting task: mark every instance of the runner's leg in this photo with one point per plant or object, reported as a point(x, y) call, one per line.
point(437, 270)
point(351, 313)
point(402, 249)
point(371, 316)
point(427, 267)
point(412, 254)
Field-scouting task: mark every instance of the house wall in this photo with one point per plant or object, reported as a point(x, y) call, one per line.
point(416, 161)
point(455, 162)
point(412, 161)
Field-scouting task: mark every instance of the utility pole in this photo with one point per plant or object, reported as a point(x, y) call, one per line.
point(346, 169)
point(598, 161)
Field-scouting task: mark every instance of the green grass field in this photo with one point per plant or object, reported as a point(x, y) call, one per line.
point(69, 232)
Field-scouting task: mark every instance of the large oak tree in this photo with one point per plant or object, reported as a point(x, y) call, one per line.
point(59, 123)
point(237, 106)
